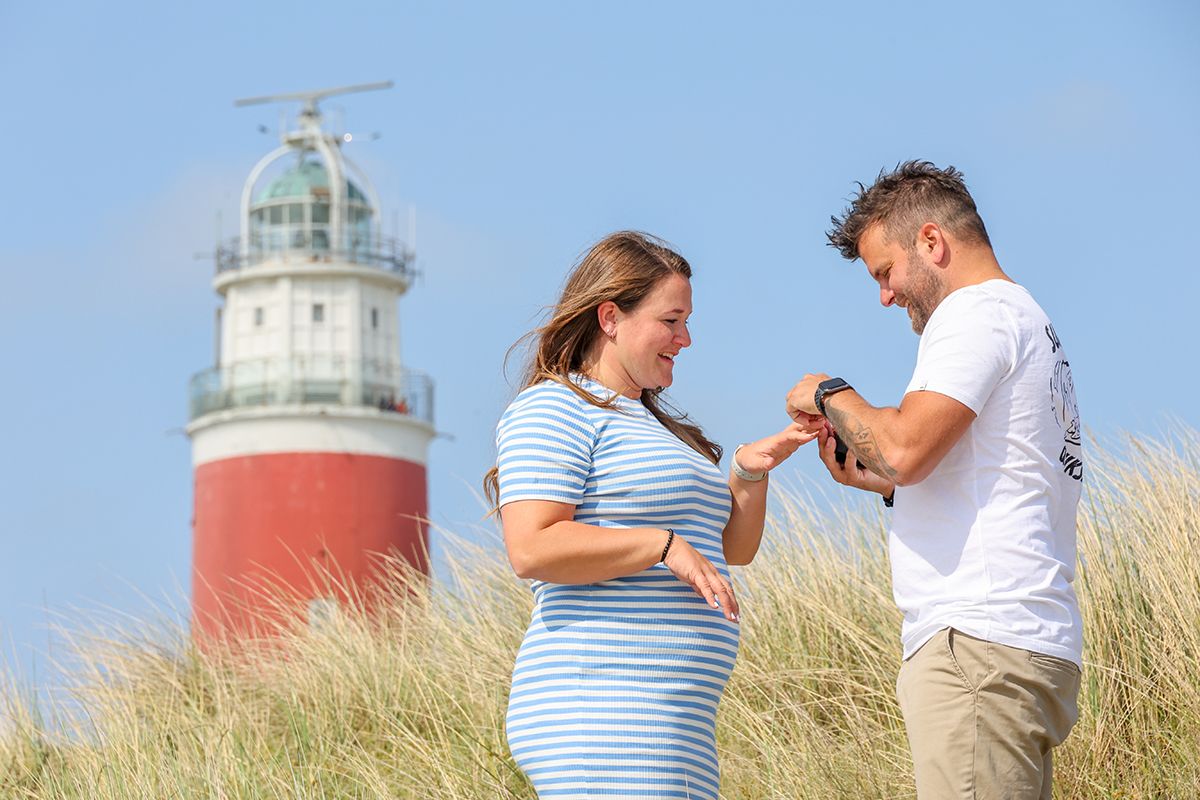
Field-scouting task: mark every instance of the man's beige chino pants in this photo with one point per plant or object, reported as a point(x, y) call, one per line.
point(983, 718)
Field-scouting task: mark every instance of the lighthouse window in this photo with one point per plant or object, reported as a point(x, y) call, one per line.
point(258, 317)
point(318, 312)
point(320, 212)
point(276, 215)
point(295, 213)
point(375, 318)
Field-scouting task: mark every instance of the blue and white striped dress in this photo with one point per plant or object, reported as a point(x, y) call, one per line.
point(616, 685)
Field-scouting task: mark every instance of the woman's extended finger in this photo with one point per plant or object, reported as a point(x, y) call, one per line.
point(803, 437)
point(775, 449)
point(798, 434)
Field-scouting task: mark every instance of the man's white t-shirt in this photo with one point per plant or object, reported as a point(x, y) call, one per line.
point(986, 543)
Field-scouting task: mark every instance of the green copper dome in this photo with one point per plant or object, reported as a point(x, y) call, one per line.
point(301, 180)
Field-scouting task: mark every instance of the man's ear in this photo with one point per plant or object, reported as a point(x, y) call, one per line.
point(931, 240)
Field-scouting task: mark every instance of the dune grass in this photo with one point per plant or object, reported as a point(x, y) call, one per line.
point(409, 701)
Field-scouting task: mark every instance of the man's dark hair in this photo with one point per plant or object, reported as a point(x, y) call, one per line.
point(903, 200)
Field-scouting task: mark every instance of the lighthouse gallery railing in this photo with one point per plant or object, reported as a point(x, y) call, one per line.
point(312, 246)
point(313, 381)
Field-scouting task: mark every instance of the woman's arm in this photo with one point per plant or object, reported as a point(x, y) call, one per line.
point(545, 543)
point(743, 533)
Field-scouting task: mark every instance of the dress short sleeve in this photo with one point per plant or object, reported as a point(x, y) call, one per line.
point(544, 446)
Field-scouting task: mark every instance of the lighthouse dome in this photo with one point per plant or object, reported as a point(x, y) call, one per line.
point(307, 178)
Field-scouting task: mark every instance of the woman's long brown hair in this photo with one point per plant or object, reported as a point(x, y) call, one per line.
point(623, 267)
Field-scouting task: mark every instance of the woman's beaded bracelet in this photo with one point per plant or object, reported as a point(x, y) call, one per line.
point(670, 539)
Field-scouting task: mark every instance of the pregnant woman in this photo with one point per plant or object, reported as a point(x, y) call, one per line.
point(615, 507)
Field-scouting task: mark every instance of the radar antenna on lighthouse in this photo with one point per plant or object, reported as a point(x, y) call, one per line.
point(310, 436)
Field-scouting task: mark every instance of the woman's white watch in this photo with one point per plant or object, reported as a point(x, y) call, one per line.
point(753, 477)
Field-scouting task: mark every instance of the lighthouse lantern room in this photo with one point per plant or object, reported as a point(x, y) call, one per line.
point(310, 437)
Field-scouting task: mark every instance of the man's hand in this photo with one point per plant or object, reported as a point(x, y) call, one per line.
point(800, 398)
point(851, 474)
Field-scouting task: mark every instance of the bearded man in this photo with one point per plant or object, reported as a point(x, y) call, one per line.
point(982, 465)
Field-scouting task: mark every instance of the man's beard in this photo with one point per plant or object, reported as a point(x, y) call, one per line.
point(925, 292)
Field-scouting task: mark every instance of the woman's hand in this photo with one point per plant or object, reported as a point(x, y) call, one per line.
point(686, 563)
point(851, 474)
point(766, 454)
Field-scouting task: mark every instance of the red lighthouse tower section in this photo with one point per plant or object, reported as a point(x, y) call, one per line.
point(310, 437)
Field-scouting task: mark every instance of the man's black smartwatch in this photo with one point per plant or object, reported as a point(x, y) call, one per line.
point(826, 388)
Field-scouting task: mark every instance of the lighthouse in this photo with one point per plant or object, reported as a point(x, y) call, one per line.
point(309, 436)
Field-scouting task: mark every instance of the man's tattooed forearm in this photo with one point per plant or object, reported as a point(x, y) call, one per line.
point(861, 442)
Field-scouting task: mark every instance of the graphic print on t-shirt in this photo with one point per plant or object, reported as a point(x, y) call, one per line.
point(1066, 410)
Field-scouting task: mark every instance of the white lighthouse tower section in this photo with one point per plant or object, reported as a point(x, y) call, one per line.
point(311, 288)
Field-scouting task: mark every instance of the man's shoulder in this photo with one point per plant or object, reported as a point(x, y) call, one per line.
point(989, 294)
point(1010, 298)
point(995, 304)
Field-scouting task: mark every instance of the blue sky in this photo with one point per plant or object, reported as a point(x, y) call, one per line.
point(522, 132)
